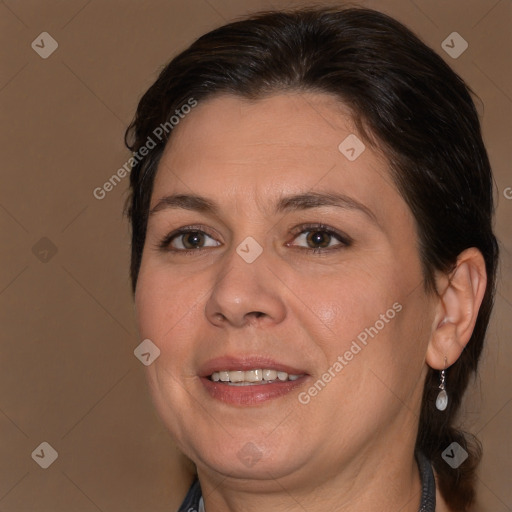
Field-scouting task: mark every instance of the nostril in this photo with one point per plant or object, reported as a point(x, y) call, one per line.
point(254, 315)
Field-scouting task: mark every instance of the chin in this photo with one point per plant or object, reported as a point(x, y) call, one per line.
point(252, 460)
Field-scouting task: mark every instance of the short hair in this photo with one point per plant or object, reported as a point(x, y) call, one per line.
point(406, 101)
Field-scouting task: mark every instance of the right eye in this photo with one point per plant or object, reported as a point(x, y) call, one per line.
point(188, 239)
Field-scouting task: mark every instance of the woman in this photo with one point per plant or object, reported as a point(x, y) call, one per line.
point(313, 256)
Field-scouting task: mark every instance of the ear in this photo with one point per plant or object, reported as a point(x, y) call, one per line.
point(460, 295)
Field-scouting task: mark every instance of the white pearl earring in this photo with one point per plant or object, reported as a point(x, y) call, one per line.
point(442, 397)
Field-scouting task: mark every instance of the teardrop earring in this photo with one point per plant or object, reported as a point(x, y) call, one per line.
point(442, 397)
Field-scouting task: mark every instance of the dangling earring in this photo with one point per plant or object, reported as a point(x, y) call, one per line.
point(442, 397)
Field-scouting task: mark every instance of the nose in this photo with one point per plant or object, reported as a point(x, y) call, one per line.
point(246, 294)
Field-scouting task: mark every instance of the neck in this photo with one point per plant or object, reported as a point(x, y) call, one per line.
point(375, 480)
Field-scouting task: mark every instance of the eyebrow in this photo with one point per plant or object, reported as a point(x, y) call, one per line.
point(284, 204)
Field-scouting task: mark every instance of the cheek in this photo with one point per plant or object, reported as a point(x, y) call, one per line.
point(392, 358)
point(373, 316)
point(351, 302)
point(164, 309)
point(165, 305)
point(376, 363)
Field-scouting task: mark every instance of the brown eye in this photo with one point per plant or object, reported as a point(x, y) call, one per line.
point(192, 239)
point(321, 238)
point(187, 240)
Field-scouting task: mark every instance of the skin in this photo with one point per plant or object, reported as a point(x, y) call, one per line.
point(351, 447)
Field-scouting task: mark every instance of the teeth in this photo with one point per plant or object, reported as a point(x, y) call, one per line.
point(256, 376)
point(269, 374)
point(236, 376)
point(253, 375)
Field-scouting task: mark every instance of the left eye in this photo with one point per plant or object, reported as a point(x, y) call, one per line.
point(322, 238)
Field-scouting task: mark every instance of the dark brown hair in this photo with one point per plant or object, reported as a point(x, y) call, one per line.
point(406, 101)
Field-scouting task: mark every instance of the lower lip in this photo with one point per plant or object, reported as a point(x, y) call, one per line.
point(253, 394)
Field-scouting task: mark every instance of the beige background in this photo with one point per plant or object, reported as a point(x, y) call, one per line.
point(68, 373)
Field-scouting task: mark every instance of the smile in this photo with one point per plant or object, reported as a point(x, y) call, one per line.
point(252, 377)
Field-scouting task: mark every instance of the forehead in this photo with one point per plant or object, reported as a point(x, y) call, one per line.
point(284, 143)
point(229, 126)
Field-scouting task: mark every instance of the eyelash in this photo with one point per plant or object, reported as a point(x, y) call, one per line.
point(345, 240)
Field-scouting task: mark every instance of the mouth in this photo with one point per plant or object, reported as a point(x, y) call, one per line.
point(250, 380)
point(254, 377)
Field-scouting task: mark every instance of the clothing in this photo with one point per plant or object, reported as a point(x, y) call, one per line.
point(193, 501)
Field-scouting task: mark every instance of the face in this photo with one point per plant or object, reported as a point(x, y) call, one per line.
point(300, 257)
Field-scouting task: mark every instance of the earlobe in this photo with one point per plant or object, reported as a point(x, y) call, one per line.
point(460, 296)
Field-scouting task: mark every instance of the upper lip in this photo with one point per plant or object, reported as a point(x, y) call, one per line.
point(232, 363)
